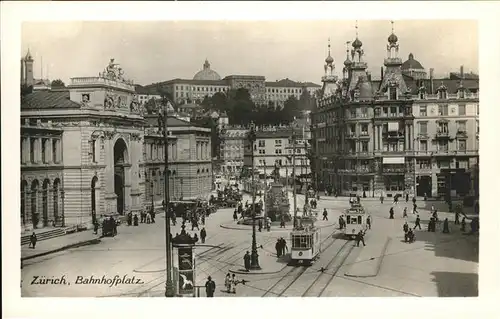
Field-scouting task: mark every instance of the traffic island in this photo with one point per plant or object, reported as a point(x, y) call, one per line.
point(369, 260)
point(274, 228)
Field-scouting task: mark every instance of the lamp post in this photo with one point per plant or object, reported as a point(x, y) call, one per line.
point(163, 127)
point(151, 185)
point(254, 258)
point(293, 180)
point(62, 209)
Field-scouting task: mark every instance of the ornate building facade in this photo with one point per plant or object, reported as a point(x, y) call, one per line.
point(364, 131)
point(88, 150)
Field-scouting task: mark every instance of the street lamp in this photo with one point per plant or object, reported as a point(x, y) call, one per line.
point(151, 186)
point(254, 258)
point(163, 127)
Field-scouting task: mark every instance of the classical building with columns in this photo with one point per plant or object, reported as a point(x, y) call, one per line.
point(89, 149)
point(402, 133)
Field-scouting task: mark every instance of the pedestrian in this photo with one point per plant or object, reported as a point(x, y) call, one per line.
point(278, 248)
point(113, 226)
point(325, 215)
point(463, 224)
point(129, 219)
point(284, 247)
point(246, 260)
point(96, 227)
point(282, 222)
point(405, 212)
point(414, 208)
point(407, 197)
point(417, 223)
point(360, 238)
point(153, 215)
point(369, 222)
point(391, 213)
point(143, 216)
point(195, 238)
point(446, 229)
point(148, 218)
point(33, 241)
point(268, 224)
point(260, 225)
point(414, 200)
point(203, 235)
point(381, 199)
point(430, 225)
point(405, 227)
point(233, 284)
point(194, 224)
point(227, 283)
point(136, 220)
point(457, 218)
point(210, 287)
point(410, 236)
point(235, 215)
point(341, 222)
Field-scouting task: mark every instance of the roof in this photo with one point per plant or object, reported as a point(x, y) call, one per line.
point(290, 83)
point(139, 89)
point(47, 99)
point(280, 133)
point(207, 74)
point(450, 84)
point(186, 81)
point(411, 63)
point(465, 76)
point(152, 119)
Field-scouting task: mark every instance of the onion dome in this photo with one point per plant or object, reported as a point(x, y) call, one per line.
point(357, 44)
point(392, 38)
point(28, 56)
point(329, 59)
point(347, 62)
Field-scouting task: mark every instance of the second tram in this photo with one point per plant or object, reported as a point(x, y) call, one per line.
point(355, 220)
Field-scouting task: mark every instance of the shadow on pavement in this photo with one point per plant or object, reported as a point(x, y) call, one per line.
point(455, 284)
point(453, 245)
point(285, 259)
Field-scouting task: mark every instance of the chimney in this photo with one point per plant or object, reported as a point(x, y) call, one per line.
point(461, 72)
point(431, 75)
point(369, 76)
point(381, 73)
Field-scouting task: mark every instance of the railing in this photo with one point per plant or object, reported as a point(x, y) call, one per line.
point(461, 133)
point(128, 85)
point(448, 96)
point(395, 170)
point(442, 134)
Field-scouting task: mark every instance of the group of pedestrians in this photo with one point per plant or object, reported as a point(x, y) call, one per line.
point(281, 247)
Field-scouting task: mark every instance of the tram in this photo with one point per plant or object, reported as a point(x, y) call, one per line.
point(355, 219)
point(305, 241)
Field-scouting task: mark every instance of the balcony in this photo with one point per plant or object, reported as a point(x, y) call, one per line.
point(442, 134)
point(393, 135)
point(394, 170)
point(359, 170)
point(423, 136)
point(461, 134)
point(364, 134)
point(350, 135)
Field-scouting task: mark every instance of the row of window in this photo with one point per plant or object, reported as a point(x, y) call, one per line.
point(43, 150)
point(427, 164)
point(155, 151)
point(279, 142)
point(443, 146)
point(301, 162)
point(202, 88)
point(202, 151)
point(443, 127)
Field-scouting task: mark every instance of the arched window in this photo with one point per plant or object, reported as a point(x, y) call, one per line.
point(34, 207)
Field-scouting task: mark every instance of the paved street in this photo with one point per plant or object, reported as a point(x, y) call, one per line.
point(436, 264)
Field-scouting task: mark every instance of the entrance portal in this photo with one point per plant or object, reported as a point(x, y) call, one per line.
point(120, 162)
point(424, 186)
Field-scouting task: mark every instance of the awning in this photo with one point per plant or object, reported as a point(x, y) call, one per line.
point(392, 127)
point(393, 160)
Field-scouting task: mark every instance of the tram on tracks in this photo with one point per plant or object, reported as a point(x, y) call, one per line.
point(305, 241)
point(355, 220)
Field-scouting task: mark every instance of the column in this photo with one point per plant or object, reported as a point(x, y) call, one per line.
point(412, 136)
point(58, 150)
point(48, 149)
point(380, 146)
point(407, 134)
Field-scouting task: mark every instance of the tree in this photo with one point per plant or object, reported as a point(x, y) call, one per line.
point(306, 101)
point(57, 84)
point(291, 110)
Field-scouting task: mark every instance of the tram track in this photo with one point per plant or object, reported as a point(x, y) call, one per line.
point(285, 282)
point(319, 285)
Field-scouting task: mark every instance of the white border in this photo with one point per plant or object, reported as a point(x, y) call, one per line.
point(12, 13)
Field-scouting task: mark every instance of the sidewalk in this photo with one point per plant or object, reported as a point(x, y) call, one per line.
point(267, 261)
point(53, 245)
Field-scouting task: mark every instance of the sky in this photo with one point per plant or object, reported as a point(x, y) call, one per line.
point(158, 51)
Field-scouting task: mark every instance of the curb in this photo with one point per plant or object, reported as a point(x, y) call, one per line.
point(379, 264)
point(242, 272)
point(93, 241)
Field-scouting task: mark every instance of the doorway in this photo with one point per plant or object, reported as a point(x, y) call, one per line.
point(424, 186)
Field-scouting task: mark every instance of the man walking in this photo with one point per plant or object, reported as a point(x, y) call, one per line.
point(360, 238)
point(417, 223)
point(325, 215)
point(33, 241)
point(246, 260)
point(203, 235)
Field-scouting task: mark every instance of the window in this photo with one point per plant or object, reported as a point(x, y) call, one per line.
point(353, 113)
point(32, 150)
point(44, 154)
point(443, 164)
point(461, 126)
point(423, 146)
point(394, 111)
point(364, 129)
point(364, 146)
point(461, 110)
point(443, 128)
point(55, 157)
point(424, 163)
point(262, 151)
point(262, 143)
point(423, 110)
point(278, 151)
point(461, 94)
point(92, 150)
point(462, 145)
point(364, 112)
point(463, 164)
point(277, 142)
point(443, 146)
point(443, 110)
point(442, 94)
point(421, 95)
point(393, 94)
point(422, 126)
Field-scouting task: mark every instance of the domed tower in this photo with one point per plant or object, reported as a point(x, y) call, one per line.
point(358, 66)
point(413, 68)
point(393, 82)
point(329, 79)
point(347, 62)
point(28, 69)
point(206, 73)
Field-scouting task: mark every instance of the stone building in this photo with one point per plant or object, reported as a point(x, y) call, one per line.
point(88, 150)
point(386, 136)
